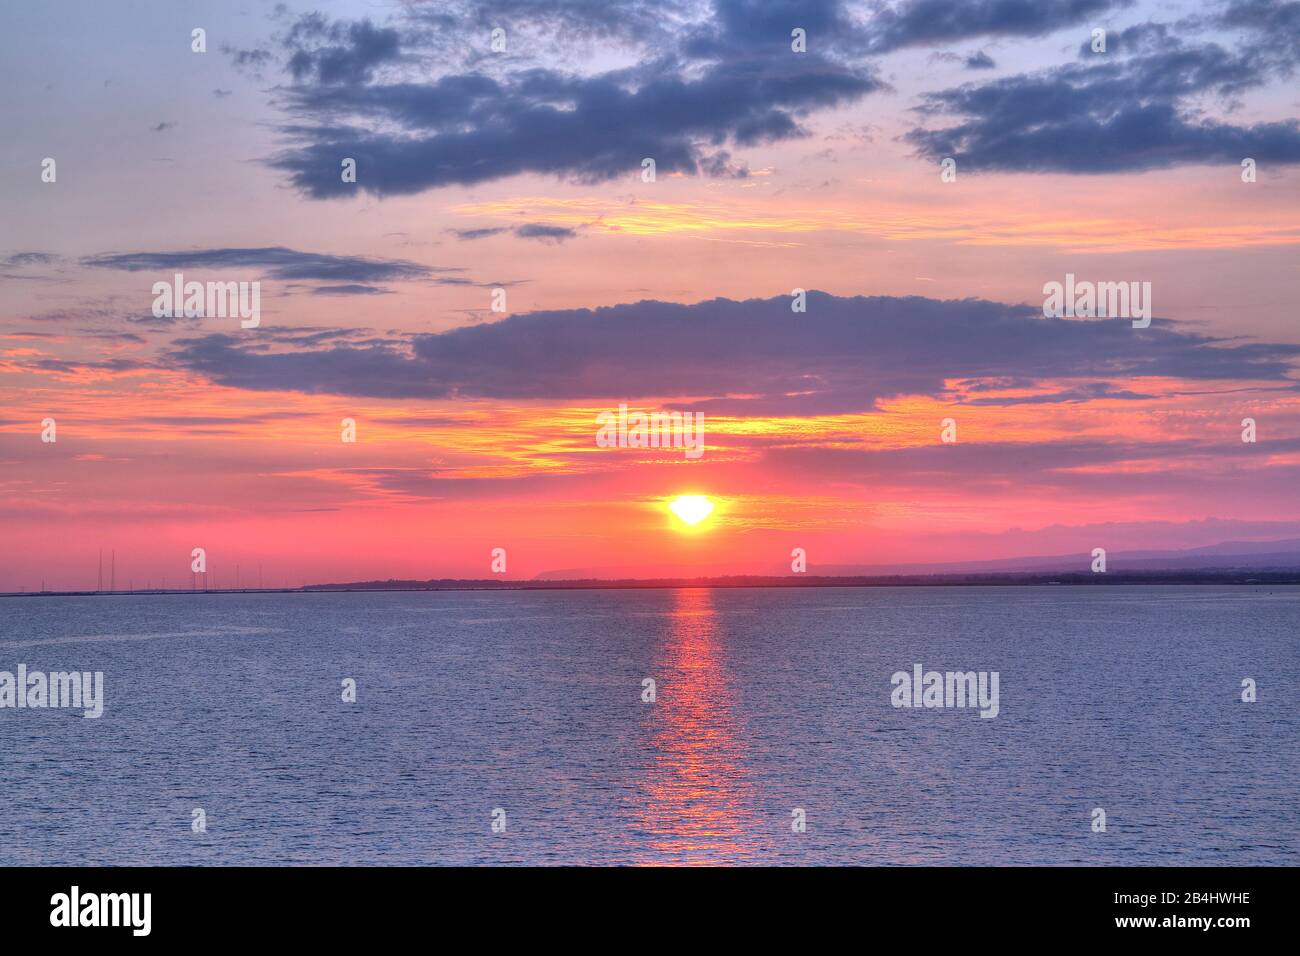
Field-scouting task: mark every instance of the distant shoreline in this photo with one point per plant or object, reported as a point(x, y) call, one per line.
point(1005, 579)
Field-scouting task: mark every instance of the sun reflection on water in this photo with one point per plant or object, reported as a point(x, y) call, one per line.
point(693, 804)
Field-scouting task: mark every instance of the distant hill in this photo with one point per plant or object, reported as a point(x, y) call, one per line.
point(1228, 556)
point(1231, 562)
point(1231, 556)
point(1019, 578)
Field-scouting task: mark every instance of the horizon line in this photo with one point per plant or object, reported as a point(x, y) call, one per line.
point(1202, 577)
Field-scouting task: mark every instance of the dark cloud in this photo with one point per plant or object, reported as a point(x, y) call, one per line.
point(101, 314)
point(160, 321)
point(277, 262)
point(20, 259)
point(25, 261)
point(545, 232)
point(467, 235)
point(747, 27)
point(1149, 37)
point(930, 22)
point(711, 78)
point(251, 60)
point(1082, 393)
point(1128, 109)
point(349, 289)
point(336, 52)
point(128, 337)
point(68, 367)
point(309, 337)
point(462, 281)
point(163, 126)
point(532, 230)
point(842, 355)
point(724, 85)
point(470, 128)
point(1272, 27)
point(720, 166)
point(633, 21)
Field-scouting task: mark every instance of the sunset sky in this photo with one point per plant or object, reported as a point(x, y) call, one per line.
point(522, 170)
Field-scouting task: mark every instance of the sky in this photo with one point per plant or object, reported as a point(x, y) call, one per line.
point(514, 177)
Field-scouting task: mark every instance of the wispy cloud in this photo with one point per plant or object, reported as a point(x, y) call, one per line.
point(277, 262)
point(1129, 109)
point(913, 23)
point(546, 232)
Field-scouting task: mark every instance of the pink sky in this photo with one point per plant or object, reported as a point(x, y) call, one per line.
point(476, 430)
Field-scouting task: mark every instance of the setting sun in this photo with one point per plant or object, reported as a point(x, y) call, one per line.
point(692, 508)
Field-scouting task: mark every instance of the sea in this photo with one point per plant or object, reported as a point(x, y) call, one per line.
point(684, 726)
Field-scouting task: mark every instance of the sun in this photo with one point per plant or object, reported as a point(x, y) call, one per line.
point(691, 508)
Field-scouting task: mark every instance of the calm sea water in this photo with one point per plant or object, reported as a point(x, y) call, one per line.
point(1124, 698)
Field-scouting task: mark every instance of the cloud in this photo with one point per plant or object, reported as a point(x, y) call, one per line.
point(728, 86)
point(720, 166)
point(1126, 110)
point(630, 20)
point(1087, 392)
point(20, 259)
point(107, 369)
point(103, 314)
point(128, 337)
point(531, 230)
point(276, 262)
point(251, 60)
point(980, 61)
point(163, 126)
point(545, 232)
point(335, 53)
point(930, 22)
point(161, 321)
point(349, 289)
point(467, 235)
point(25, 261)
point(471, 129)
point(1273, 28)
point(843, 355)
point(743, 27)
